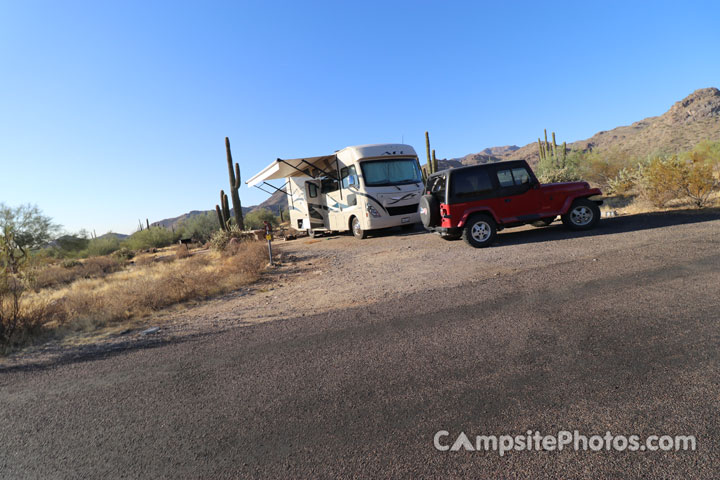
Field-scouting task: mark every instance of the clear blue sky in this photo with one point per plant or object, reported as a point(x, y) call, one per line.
point(114, 111)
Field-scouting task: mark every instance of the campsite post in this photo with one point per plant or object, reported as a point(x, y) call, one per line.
point(268, 236)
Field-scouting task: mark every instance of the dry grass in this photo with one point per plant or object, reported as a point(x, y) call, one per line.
point(88, 303)
point(59, 274)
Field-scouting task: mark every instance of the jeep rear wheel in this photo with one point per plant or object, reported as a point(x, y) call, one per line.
point(479, 231)
point(583, 215)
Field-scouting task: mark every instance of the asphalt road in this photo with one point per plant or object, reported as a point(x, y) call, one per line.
point(627, 342)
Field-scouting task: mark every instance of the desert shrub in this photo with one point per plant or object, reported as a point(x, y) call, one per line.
point(70, 263)
point(602, 168)
point(124, 253)
point(625, 181)
point(662, 180)
point(102, 246)
point(254, 220)
point(200, 227)
point(220, 239)
point(182, 251)
point(699, 182)
point(155, 237)
point(69, 246)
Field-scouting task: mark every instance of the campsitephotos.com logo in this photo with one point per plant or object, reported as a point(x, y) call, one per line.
point(535, 441)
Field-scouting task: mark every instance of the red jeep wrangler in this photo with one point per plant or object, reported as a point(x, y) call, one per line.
point(476, 202)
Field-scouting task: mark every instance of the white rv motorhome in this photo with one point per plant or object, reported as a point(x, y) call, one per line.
point(359, 188)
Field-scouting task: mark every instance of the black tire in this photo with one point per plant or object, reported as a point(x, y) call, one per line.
point(357, 231)
point(584, 214)
point(480, 231)
point(429, 211)
point(543, 223)
point(313, 234)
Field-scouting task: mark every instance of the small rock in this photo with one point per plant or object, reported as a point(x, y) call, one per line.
point(150, 331)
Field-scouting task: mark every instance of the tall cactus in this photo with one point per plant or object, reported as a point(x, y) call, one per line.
point(224, 206)
point(434, 162)
point(221, 220)
point(549, 152)
point(427, 149)
point(234, 186)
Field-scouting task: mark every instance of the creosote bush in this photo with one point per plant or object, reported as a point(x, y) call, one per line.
point(220, 239)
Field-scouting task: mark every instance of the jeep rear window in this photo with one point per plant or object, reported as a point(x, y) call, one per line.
point(471, 183)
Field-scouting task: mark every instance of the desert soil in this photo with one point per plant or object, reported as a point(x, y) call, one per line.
point(345, 360)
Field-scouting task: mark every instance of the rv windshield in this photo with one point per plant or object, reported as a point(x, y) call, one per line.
point(398, 171)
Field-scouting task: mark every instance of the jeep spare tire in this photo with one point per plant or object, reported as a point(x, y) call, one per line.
point(429, 211)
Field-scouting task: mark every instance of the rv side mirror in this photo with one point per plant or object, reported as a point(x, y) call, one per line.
point(352, 180)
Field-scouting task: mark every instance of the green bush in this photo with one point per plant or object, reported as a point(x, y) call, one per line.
point(200, 227)
point(254, 220)
point(124, 254)
point(220, 239)
point(102, 246)
point(155, 237)
point(662, 180)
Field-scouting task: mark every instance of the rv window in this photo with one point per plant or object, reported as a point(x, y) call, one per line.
point(312, 190)
point(398, 171)
point(349, 176)
point(328, 185)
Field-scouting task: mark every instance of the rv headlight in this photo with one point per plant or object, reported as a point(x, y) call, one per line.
point(372, 210)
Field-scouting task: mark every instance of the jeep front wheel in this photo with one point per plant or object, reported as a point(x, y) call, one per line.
point(479, 231)
point(583, 215)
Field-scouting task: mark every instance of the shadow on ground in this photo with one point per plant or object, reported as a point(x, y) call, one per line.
point(610, 226)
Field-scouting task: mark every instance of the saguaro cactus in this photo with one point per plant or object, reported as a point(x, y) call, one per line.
point(434, 162)
point(221, 220)
point(427, 150)
point(234, 186)
point(551, 152)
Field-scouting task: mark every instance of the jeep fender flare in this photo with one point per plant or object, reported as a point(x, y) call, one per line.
point(486, 210)
point(584, 194)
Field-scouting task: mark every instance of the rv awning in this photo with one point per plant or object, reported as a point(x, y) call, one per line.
point(297, 167)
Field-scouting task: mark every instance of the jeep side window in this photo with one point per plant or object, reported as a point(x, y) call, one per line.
point(521, 176)
point(505, 178)
point(516, 176)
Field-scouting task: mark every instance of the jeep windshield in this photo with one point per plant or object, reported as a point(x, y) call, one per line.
point(398, 171)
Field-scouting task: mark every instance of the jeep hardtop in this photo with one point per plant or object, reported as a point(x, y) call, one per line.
point(476, 202)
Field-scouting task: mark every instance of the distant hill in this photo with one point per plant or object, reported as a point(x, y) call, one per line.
point(119, 236)
point(175, 221)
point(688, 122)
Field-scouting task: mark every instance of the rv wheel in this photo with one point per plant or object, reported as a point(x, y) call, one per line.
point(357, 229)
